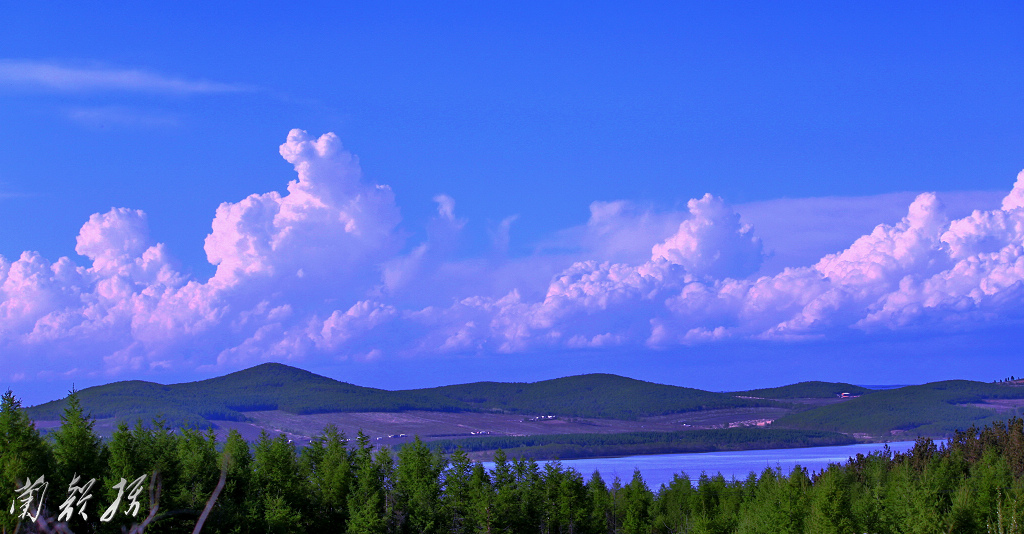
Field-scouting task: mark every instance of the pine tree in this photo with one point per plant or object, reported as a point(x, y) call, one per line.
point(600, 505)
point(772, 507)
point(418, 489)
point(456, 496)
point(573, 503)
point(77, 452)
point(830, 504)
point(328, 469)
point(23, 454)
point(565, 507)
point(199, 469)
point(384, 468)
point(159, 446)
point(481, 501)
point(528, 493)
point(551, 515)
point(366, 500)
point(125, 460)
point(276, 483)
point(236, 511)
point(637, 502)
point(505, 503)
point(674, 507)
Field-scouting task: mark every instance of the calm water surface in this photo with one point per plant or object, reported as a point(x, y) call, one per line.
point(658, 469)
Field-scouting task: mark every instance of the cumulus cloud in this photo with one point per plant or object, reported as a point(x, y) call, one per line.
point(323, 271)
point(712, 242)
point(594, 304)
point(279, 259)
point(924, 271)
point(101, 309)
point(331, 228)
point(797, 232)
point(1015, 199)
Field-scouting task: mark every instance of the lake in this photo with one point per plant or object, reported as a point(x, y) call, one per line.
point(658, 469)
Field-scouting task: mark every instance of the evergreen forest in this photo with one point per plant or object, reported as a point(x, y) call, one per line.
point(974, 482)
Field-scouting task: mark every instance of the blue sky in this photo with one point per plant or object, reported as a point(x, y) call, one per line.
point(544, 211)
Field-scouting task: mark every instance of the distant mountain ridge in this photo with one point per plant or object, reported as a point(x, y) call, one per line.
point(804, 390)
point(590, 395)
point(274, 386)
point(934, 409)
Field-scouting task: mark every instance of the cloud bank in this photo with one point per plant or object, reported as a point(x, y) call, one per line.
point(325, 272)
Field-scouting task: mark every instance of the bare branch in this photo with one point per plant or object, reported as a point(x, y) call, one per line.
point(213, 497)
point(154, 504)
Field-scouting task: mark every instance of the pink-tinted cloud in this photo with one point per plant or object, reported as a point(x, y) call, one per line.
point(712, 242)
point(319, 272)
point(797, 232)
point(320, 243)
point(331, 226)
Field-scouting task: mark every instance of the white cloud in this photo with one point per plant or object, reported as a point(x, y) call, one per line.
point(26, 73)
point(712, 242)
point(922, 270)
point(595, 303)
point(325, 235)
point(619, 231)
point(445, 207)
point(279, 259)
point(317, 272)
point(797, 232)
point(1016, 197)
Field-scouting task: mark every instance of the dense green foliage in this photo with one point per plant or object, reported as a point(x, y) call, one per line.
point(975, 483)
point(274, 386)
point(22, 452)
point(566, 446)
point(935, 409)
point(805, 390)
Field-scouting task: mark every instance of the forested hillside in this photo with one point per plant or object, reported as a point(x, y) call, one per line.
point(274, 386)
point(805, 390)
point(935, 409)
point(593, 395)
point(269, 386)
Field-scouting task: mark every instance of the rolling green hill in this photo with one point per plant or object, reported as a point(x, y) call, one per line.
point(934, 409)
point(269, 386)
point(274, 386)
point(593, 395)
point(805, 390)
